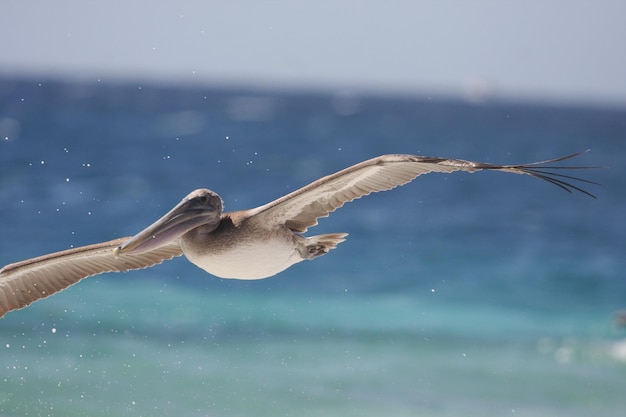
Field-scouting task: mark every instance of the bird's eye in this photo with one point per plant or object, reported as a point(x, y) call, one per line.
point(203, 199)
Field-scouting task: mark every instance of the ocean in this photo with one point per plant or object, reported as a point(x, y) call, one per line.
point(483, 294)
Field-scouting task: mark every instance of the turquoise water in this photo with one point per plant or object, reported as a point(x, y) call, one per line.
point(188, 353)
point(484, 294)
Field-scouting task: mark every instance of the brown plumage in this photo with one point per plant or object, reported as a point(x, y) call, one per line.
point(248, 244)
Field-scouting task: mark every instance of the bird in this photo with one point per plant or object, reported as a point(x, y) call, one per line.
point(250, 244)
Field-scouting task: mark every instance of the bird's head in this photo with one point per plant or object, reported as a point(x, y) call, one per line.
point(201, 207)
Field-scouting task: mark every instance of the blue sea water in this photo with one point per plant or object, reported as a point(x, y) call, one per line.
point(457, 295)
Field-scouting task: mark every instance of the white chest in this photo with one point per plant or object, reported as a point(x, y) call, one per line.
point(249, 260)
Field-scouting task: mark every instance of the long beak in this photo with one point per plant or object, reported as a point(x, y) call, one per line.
point(186, 216)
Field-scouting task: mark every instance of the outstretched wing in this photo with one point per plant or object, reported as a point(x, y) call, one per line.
point(23, 283)
point(300, 209)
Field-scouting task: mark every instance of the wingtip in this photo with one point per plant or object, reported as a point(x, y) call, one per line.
point(546, 172)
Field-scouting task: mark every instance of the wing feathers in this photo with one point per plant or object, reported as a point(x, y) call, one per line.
point(300, 209)
point(24, 282)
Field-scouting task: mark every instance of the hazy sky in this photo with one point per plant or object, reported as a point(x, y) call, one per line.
point(550, 50)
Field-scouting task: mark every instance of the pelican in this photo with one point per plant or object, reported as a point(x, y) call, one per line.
point(249, 244)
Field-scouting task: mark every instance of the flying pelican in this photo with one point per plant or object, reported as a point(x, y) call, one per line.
point(248, 244)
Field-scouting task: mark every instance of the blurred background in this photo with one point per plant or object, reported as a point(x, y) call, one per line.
point(556, 51)
point(484, 294)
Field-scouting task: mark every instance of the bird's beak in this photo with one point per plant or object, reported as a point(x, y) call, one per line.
point(187, 215)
